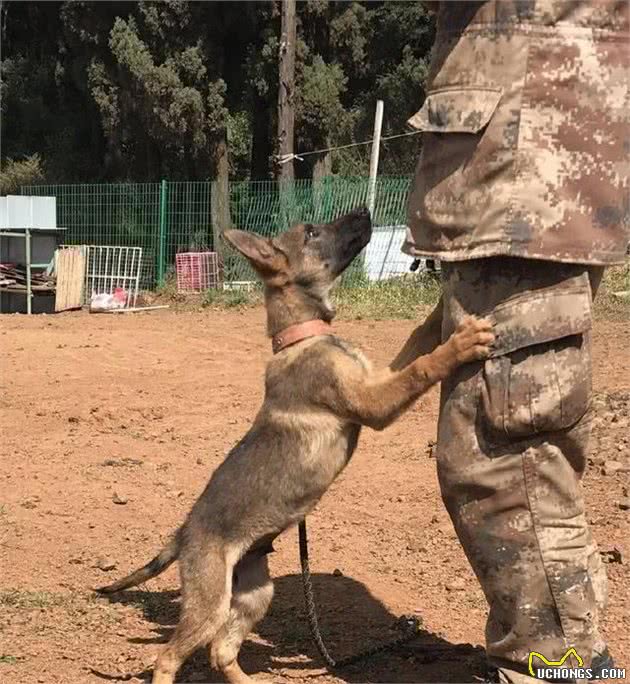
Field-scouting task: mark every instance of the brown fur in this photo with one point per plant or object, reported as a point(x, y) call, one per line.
point(318, 394)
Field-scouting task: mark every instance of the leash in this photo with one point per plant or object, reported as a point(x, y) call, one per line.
point(412, 624)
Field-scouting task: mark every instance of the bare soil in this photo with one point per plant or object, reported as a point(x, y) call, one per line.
point(111, 426)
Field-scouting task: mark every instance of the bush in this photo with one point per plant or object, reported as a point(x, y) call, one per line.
point(14, 174)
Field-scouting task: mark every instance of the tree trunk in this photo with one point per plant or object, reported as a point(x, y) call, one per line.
point(220, 200)
point(262, 142)
point(321, 169)
point(286, 89)
point(322, 166)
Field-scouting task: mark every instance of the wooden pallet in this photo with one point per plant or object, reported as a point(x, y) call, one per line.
point(70, 271)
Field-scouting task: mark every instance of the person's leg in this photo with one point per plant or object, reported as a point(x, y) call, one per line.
point(512, 446)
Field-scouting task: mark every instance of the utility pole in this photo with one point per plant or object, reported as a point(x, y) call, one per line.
point(376, 148)
point(286, 111)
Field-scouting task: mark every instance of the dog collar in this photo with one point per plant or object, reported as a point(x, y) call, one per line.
point(298, 332)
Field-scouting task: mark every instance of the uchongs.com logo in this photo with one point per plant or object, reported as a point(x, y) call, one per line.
point(564, 669)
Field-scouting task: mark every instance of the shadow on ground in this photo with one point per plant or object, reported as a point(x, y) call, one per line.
point(351, 619)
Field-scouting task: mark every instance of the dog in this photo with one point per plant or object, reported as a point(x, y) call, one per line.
point(319, 392)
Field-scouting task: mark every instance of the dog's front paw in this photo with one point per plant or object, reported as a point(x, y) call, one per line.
point(472, 340)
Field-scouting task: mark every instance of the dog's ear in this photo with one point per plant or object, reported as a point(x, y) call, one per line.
point(258, 250)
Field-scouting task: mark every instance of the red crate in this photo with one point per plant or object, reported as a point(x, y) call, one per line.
point(197, 271)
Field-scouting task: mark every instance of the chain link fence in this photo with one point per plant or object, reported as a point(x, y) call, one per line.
point(120, 214)
point(170, 217)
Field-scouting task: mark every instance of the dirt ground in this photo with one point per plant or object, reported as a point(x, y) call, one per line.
point(111, 426)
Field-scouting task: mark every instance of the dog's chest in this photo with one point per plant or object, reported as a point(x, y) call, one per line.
point(354, 353)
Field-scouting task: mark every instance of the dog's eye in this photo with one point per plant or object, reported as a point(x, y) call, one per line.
point(311, 232)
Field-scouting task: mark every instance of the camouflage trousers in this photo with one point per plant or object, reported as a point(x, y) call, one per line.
point(512, 447)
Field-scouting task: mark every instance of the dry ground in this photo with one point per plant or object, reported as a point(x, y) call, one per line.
point(140, 409)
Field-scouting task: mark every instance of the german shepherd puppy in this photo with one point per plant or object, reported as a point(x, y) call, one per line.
point(319, 392)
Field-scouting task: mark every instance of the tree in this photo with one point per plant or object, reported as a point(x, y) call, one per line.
point(286, 90)
point(44, 111)
point(353, 54)
point(187, 90)
point(14, 174)
point(162, 108)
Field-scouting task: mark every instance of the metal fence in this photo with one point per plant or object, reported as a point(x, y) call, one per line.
point(121, 214)
point(170, 217)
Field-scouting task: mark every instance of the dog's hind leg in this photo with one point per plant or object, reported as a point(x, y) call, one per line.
point(252, 593)
point(206, 593)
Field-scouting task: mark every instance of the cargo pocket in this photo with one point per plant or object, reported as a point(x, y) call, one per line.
point(539, 376)
point(459, 162)
point(456, 110)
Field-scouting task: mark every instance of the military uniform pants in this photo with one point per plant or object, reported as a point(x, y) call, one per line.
point(512, 447)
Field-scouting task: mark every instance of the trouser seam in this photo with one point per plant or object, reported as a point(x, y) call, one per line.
point(529, 476)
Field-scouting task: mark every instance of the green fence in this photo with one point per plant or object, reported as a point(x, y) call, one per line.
point(109, 214)
point(268, 207)
point(170, 217)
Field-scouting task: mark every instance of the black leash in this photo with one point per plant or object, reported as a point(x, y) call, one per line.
point(412, 624)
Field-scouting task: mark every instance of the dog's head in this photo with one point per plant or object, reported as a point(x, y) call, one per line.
point(307, 258)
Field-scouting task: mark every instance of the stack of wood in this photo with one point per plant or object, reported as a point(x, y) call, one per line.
point(13, 276)
point(5, 275)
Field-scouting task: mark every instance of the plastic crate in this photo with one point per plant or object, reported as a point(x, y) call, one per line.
point(197, 271)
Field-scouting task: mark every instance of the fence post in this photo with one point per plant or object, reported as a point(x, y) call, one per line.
point(162, 234)
point(376, 146)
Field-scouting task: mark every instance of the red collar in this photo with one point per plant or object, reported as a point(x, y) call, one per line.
point(298, 332)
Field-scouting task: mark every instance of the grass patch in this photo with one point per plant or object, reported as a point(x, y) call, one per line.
point(85, 608)
point(8, 660)
point(166, 293)
point(395, 298)
point(29, 600)
point(410, 295)
point(607, 305)
point(231, 299)
point(355, 298)
point(404, 297)
point(190, 301)
point(122, 462)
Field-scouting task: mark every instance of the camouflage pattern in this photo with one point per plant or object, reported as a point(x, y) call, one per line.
point(526, 143)
point(512, 448)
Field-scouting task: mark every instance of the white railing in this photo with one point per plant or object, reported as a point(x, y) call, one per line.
point(110, 267)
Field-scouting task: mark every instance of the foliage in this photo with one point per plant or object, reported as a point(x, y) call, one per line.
point(15, 173)
point(318, 102)
point(229, 299)
point(145, 90)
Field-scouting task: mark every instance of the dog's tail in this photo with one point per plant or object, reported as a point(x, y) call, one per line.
point(167, 556)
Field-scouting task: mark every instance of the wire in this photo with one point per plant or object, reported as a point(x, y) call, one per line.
point(399, 135)
point(284, 158)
